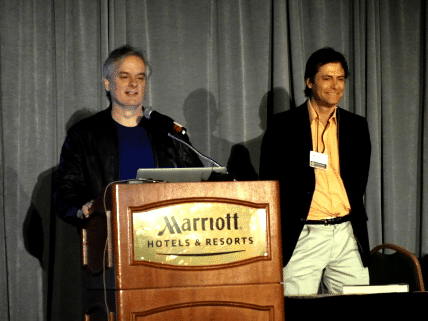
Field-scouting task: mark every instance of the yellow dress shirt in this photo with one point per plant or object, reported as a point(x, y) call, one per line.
point(330, 198)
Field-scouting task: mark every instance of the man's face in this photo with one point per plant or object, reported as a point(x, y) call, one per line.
point(128, 82)
point(329, 84)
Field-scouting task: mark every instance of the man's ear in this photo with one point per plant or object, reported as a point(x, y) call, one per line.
point(309, 83)
point(107, 84)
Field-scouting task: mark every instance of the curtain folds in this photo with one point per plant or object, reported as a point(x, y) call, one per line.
point(222, 69)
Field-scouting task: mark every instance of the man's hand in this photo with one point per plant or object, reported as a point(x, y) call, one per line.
point(88, 209)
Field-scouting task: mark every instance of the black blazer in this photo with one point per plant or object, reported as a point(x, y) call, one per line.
point(285, 157)
point(89, 160)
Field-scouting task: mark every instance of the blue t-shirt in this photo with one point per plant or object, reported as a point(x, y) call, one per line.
point(135, 151)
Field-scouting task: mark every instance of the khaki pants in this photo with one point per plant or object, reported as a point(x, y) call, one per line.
point(328, 253)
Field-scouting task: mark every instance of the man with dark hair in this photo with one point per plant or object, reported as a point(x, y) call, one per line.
point(112, 144)
point(323, 176)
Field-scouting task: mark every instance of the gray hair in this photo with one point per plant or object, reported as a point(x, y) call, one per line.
point(123, 52)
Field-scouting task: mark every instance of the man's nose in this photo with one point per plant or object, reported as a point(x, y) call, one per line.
point(133, 81)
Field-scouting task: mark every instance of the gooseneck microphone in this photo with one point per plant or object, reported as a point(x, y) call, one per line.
point(169, 124)
point(195, 150)
point(163, 121)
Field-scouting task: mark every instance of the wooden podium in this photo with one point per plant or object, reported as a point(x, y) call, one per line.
point(185, 251)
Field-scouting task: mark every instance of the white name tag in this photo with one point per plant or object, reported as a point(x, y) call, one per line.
point(318, 160)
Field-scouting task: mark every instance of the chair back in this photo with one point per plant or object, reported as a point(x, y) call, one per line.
point(399, 267)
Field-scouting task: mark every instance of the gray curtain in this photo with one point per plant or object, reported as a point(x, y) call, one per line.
point(221, 68)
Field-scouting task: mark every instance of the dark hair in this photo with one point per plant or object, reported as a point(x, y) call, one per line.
point(318, 59)
point(120, 53)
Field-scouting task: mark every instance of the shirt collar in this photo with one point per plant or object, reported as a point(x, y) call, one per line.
point(314, 116)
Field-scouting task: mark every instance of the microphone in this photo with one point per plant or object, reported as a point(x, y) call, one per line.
point(163, 121)
point(169, 124)
point(195, 150)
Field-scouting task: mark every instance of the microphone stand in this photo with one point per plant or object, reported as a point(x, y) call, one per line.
point(195, 150)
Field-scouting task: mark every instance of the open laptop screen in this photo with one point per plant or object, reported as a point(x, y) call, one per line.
point(175, 175)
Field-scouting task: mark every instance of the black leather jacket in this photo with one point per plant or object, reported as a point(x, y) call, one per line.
point(89, 160)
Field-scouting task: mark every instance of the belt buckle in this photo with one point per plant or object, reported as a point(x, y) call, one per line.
point(326, 222)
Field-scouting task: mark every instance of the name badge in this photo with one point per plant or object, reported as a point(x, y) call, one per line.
point(318, 160)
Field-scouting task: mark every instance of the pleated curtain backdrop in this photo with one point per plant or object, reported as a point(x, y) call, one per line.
point(221, 68)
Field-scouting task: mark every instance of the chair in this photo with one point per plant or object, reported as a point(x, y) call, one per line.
point(399, 267)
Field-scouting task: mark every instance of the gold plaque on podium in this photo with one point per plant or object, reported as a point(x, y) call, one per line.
point(200, 233)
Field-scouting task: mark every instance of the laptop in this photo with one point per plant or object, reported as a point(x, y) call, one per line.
point(176, 175)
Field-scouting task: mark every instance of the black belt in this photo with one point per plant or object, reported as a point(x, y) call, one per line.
point(330, 221)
